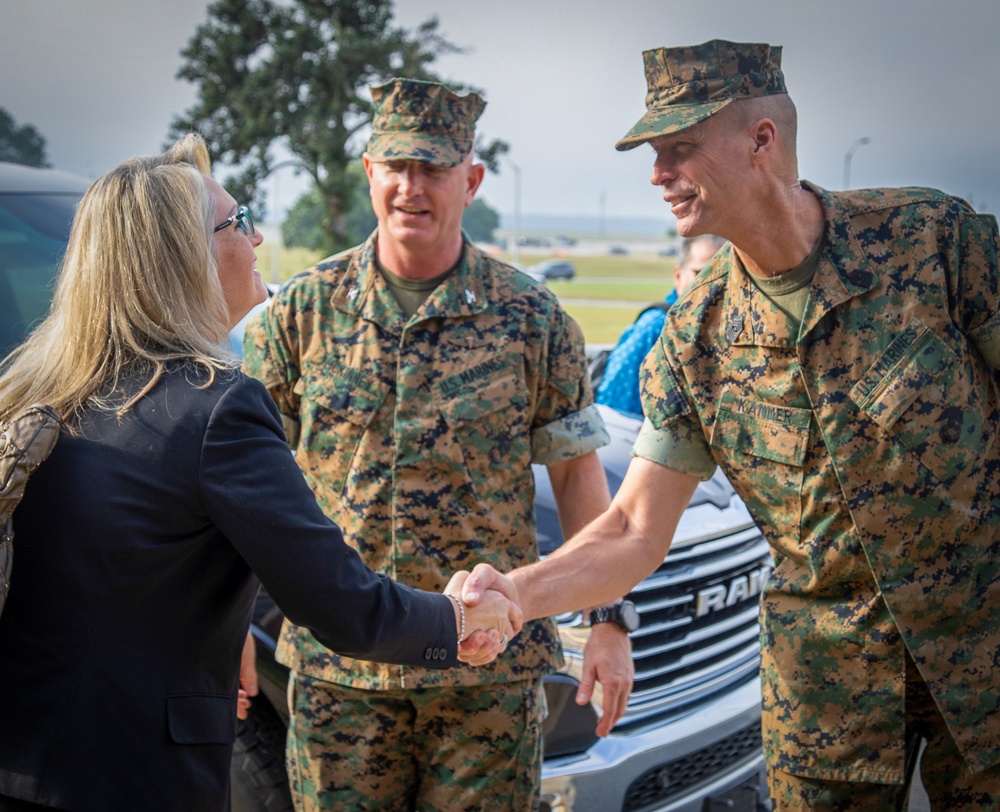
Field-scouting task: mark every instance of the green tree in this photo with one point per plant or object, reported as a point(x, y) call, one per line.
point(295, 73)
point(480, 221)
point(20, 145)
point(305, 223)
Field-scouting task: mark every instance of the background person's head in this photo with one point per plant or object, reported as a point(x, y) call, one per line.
point(420, 168)
point(695, 254)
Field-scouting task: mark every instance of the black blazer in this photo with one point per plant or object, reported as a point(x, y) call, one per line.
point(132, 588)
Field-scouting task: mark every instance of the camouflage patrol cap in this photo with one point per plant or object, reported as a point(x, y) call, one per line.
point(688, 84)
point(422, 121)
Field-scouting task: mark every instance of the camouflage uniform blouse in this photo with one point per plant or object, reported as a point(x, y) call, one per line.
point(418, 436)
point(864, 441)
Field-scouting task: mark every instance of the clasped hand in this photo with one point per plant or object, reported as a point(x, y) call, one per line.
point(607, 657)
point(491, 623)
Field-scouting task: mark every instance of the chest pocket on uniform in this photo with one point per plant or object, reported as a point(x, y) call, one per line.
point(916, 392)
point(491, 427)
point(335, 413)
point(764, 448)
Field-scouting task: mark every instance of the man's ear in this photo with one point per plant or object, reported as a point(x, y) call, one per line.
point(764, 133)
point(476, 173)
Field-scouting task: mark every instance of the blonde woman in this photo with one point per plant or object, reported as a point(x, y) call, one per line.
point(171, 485)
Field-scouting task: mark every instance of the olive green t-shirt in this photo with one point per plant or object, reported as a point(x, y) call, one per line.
point(684, 447)
point(789, 290)
point(411, 293)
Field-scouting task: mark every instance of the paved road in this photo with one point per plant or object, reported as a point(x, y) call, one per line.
point(636, 305)
point(623, 280)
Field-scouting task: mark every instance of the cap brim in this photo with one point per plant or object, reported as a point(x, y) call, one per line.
point(428, 149)
point(668, 120)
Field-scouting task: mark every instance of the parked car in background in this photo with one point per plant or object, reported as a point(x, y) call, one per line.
point(619, 250)
point(690, 739)
point(36, 211)
point(553, 269)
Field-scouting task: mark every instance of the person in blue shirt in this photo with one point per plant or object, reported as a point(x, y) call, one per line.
point(619, 387)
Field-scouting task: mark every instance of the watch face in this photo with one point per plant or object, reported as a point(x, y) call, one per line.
point(629, 615)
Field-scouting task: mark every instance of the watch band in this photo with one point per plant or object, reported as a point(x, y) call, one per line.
point(622, 614)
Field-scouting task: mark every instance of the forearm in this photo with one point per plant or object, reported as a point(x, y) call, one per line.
point(599, 565)
point(580, 488)
point(613, 553)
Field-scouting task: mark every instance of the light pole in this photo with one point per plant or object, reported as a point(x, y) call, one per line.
point(276, 242)
point(516, 240)
point(850, 154)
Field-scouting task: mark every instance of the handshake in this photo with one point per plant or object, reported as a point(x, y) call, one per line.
point(490, 613)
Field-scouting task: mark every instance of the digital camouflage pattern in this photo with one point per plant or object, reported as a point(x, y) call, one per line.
point(959, 790)
point(362, 750)
point(418, 436)
point(865, 444)
point(688, 84)
point(422, 121)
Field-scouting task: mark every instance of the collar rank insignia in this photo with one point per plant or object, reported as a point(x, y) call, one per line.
point(734, 326)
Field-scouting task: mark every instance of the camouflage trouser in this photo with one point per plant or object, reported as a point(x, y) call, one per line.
point(943, 772)
point(427, 749)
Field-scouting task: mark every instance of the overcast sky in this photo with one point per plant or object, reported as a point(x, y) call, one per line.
point(563, 80)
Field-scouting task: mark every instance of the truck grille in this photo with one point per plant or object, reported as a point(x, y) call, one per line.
point(670, 779)
point(699, 634)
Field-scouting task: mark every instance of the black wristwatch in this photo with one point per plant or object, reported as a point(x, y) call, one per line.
point(624, 614)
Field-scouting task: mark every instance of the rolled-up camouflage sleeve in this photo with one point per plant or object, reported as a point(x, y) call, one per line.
point(972, 253)
point(567, 424)
point(671, 435)
point(270, 357)
point(572, 436)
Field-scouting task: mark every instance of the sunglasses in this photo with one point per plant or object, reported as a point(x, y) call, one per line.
point(242, 219)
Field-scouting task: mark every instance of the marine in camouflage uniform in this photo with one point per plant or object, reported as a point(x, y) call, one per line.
point(862, 438)
point(838, 359)
point(417, 432)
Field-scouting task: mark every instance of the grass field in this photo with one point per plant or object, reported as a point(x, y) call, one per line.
point(628, 280)
point(290, 261)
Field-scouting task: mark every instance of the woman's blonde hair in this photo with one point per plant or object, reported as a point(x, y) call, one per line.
point(138, 288)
